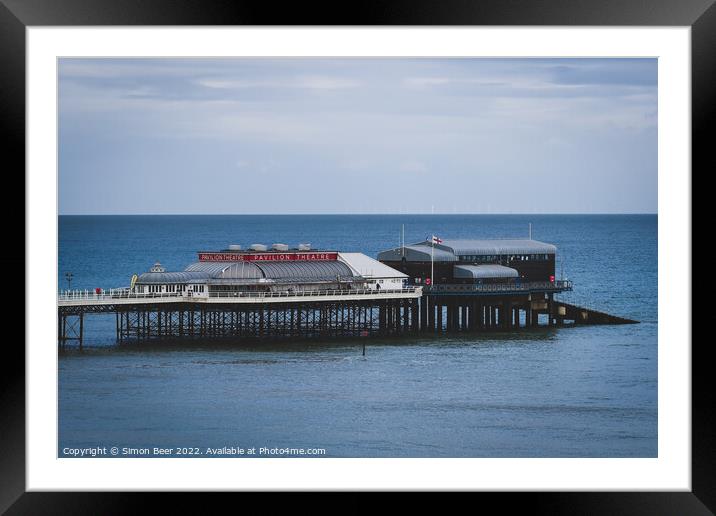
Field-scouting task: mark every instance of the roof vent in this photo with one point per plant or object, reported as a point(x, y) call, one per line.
point(258, 247)
point(279, 247)
point(157, 268)
point(234, 247)
point(304, 247)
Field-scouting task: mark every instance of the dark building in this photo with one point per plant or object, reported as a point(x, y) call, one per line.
point(474, 261)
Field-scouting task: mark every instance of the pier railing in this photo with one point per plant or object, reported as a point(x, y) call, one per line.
point(125, 293)
point(311, 293)
point(532, 286)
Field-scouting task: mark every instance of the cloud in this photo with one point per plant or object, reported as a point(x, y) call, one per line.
point(421, 82)
point(326, 83)
point(313, 125)
point(619, 73)
point(310, 82)
point(413, 167)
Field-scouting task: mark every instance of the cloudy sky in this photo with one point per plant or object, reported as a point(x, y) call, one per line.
point(387, 135)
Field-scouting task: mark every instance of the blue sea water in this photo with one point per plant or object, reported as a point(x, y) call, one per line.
point(567, 392)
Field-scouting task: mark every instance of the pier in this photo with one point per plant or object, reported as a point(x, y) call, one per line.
point(323, 314)
point(246, 316)
point(450, 308)
point(260, 294)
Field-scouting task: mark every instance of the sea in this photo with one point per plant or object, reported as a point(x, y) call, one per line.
point(586, 391)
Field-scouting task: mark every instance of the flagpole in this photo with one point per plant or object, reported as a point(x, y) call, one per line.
point(432, 253)
point(402, 240)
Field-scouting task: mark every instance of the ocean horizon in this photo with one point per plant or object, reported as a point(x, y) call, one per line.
point(587, 391)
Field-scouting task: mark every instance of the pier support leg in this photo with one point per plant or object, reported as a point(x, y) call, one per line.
point(406, 315)
point(381, 318)
point(414, 315)
point(431, 314)
point(505, 315)
point(62, 330)
point(424, 313)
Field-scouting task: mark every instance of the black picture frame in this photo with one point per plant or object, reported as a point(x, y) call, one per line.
point(17, 15)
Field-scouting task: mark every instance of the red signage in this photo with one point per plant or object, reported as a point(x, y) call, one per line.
point(266, 257)
point(428, 281)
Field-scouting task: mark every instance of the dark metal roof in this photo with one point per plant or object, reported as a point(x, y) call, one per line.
point(450, 250)
point(488, 247)
point(417, 253)
point(484, 271)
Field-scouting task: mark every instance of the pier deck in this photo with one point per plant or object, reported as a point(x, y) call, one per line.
point(119, 297)
point(243, 315)
point(324, 313)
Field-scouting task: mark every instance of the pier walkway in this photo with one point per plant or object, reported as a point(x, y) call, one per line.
point(114, 297)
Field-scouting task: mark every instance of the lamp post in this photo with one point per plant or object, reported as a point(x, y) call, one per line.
point(68, 277)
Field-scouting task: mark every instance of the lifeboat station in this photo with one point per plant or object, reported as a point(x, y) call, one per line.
point(276, 292)
point(482, 284)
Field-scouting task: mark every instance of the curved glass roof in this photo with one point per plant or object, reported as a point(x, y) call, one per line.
point(173, 277)
point(232, 270)
point(319, 270)
point(327, 270)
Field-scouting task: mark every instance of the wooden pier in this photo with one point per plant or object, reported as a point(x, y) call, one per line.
point(250, 317)
point(326, 314)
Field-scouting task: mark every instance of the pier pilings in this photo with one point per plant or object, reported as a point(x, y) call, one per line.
point(431, 313)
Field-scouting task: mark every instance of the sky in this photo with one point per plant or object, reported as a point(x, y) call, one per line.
point(360, 135)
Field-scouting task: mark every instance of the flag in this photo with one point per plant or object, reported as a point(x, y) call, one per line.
point(437, 240)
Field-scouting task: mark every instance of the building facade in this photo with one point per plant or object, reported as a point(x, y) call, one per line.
point(473, 261)
point(277, 270)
